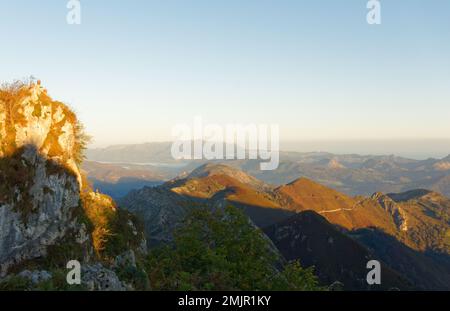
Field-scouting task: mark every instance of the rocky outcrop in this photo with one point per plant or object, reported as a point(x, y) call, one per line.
point(442, 166)
point(160, 209)
point(40, 193)
point(208, 170)
point(28, 116)
point(35, 277)
point(389, 205)
point(48, 215)
point(334, 164)
point(98, 278)
point(40, 214)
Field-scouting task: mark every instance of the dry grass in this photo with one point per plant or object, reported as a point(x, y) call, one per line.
point(100, 210)
point(12, 97)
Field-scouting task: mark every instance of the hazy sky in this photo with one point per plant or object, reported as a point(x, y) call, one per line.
point(133, 69)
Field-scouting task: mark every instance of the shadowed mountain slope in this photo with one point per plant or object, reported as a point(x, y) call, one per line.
point(310, 238)
point(420, 223)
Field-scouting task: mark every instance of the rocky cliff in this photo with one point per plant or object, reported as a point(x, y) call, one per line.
point(48, 214)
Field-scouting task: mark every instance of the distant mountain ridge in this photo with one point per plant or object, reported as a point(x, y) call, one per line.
point(139, 153)
point(117, 180)
point(351, 174)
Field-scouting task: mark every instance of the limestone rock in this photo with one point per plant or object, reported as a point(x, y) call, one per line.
point(40, 215)
point(127, 259)
point(396, 211)
point(47, 215)
point(98, 278)
point(35, 277)
point(40, 144)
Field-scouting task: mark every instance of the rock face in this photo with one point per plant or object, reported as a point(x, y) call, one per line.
point(161, 210)
point(40, 215)
point(442, 166)
point(40, 193)
point(334, 164)
point(28, 116)
point(391, 207)
point(47, 214)
point(36, 277)
point(98, 278)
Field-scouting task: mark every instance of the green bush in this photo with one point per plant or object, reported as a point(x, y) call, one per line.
point(221, 250)
point(135, 276)
point(15, 283)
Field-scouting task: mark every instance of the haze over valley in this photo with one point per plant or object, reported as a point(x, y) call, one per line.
point(129, 166)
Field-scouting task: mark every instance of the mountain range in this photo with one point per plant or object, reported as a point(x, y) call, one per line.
point(351, 174)
point(321, 227)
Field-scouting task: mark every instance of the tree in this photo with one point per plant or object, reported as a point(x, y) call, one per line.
point(219, 249)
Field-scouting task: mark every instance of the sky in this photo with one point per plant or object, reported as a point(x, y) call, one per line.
point(134, 69)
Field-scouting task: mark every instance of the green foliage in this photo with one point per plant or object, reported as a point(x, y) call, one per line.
point(136, 276)
point(56, 283)
point(81, 141)
point(294, 277)
point(15, 283)
point(126, 232)
point(113, 230)
point(65, 250)
point(221, 250)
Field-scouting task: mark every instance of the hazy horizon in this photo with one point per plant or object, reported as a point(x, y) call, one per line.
point(316, 68)
point(429, 148)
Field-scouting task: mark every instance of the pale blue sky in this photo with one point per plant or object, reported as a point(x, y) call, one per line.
point(133, 69)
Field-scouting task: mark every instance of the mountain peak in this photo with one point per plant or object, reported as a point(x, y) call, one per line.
point(409, 195)
point(310, 195)
point(209, 169)
point(28, 116)
point(215, 169)
point(306, 182)
point(334, 164)
point(442, 166)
